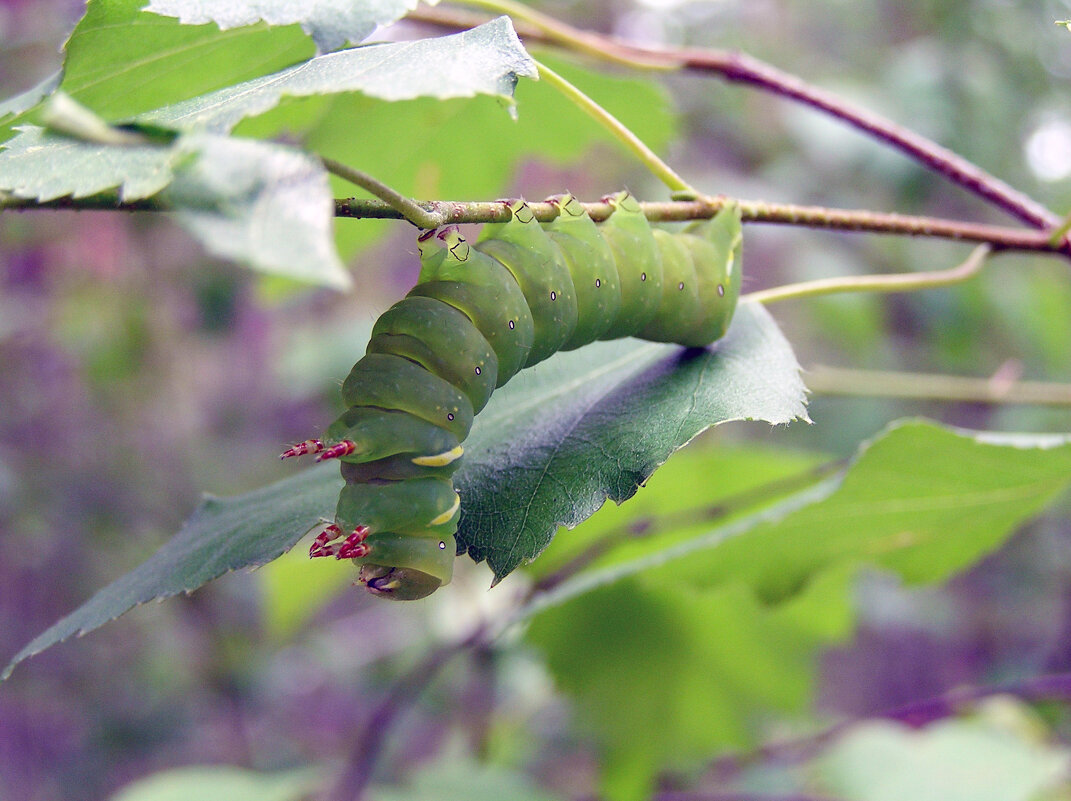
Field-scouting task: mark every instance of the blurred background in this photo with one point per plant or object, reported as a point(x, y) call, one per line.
point(137, 373)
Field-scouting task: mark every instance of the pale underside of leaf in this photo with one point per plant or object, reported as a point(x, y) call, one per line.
point(262, 204)
point(331, 23)
point(485, 60)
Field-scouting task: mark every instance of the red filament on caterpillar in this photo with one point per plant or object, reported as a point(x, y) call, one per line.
point(352, 547)
point(344, 448)
point(302, 448)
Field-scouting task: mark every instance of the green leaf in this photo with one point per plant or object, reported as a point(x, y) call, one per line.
point(121, 61)
point(43, 166)
point(484, 148)
point(222, 783)
point(224, 534)
point(665, 674)
point(24, 101)
point(252, 529)
point(331, 24)
point(557, 442)
point(988, 757)
point(485, 60)
point(921, 500)
point(265, 205)
point(262, 204)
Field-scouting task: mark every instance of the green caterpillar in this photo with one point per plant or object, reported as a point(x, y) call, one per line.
point(477, 316)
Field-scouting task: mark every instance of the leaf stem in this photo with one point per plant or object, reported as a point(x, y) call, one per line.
point(535, 24)
point(620, 131)
point(409, 209)
point(898, 282)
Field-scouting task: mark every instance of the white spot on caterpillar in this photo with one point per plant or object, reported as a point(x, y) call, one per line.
point(598, 283)
point(449, 513)
point(442, 545)
point(439, 459)
point(478, 370)
point(512, 325)
point(680, 285)
point(721, 290)
point(553, 295)
point(643, 276)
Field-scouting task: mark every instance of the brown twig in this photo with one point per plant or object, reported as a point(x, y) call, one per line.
point(741, 68)
point(999, 237)
point(372, 739)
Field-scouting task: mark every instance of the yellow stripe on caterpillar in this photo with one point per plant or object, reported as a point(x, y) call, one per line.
point(439, 459)
point(445, 516)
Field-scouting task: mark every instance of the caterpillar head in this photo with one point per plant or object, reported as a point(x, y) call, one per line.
point(406, 568)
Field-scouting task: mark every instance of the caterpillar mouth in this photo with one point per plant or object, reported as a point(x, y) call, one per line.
point(398, 583)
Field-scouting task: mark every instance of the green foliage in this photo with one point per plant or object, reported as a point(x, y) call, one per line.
point(695, 642)
point(997, 754)
point(621, 381)
point(689, 621)
point(121, 61)
point(636, 402)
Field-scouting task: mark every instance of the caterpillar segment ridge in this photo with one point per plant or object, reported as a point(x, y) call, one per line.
point(479, 313)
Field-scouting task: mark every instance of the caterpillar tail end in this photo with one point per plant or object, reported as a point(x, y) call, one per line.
point(398, 583)
point(352, 547)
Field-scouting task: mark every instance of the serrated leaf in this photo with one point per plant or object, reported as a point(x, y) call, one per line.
point(331, 23)
point(43, 166)
point(254, 528)
point(121, 61)
point(24, 101)
point(485, 60)
point(485, 146)
point(224, 534)
point(922, 500)
point(665, 674)
point(265, 205)
point(558, 442)
point(261, 204)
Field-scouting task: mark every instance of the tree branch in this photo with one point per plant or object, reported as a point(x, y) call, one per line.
point(739, 67)
point(999, 238)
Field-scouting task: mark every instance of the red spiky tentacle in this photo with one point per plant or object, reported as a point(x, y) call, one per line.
point(302, 448)
point(352, 547)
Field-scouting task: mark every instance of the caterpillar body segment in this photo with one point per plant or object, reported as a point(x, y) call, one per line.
point(479, 314)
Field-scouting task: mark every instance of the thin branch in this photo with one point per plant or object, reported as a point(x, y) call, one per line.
point(826, 380)
point(896, 282)
point(998, 237)
point(738, 67)
point(372, 739)
point(418, 216)
point(619, 131)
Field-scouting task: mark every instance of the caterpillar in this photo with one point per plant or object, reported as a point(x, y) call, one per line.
point(478, 314)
